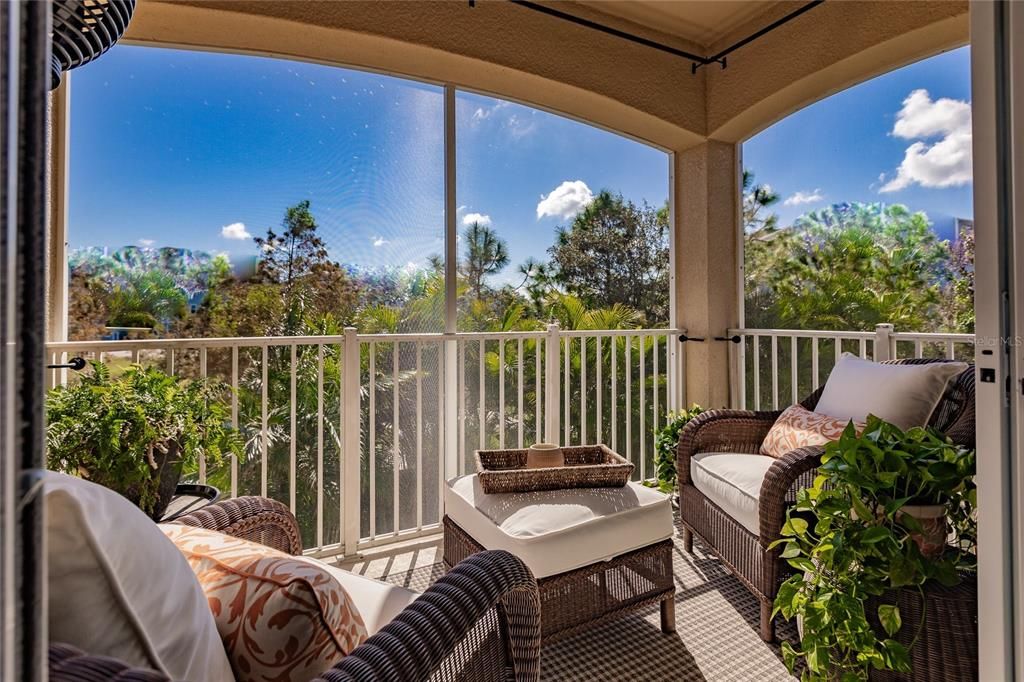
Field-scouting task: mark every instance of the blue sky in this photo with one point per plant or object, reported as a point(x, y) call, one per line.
point(188, 149)
point(838, 147)
point(203, 151)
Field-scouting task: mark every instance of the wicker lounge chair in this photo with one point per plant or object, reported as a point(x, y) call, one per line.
point(481, 621)
point(746, 554)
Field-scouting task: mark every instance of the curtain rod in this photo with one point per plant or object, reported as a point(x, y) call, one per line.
point(697, 60)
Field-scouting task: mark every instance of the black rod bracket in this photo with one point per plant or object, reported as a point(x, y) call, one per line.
point(77, 364)
point(735, 338)
point(683, 338)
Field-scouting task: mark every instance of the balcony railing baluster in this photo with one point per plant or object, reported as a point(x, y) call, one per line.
point(343, 519)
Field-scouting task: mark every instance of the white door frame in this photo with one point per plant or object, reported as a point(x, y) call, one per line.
point(997, 75)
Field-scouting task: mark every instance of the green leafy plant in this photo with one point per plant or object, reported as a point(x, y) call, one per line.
point(665, 442)
point(120, 431)
point(850, 540)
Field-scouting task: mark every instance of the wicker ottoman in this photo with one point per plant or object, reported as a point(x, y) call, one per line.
point(597, 553)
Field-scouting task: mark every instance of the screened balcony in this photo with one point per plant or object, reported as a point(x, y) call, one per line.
point(356, 421)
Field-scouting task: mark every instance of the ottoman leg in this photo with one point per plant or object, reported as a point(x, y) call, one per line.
point(668, 614)
point(687, 541)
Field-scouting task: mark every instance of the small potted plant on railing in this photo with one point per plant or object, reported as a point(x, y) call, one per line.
point(136, 433)
point(665, 442)
point(859, 534)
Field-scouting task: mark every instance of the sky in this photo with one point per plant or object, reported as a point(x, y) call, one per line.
point(916, 119)
point(206, 150)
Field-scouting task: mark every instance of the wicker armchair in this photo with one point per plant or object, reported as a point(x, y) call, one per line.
point(748, 555)
point(481, 621)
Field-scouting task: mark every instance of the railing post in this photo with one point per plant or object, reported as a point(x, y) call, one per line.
point(552, 384)
point(883, 341)
point(351, 455)
point(453, 425)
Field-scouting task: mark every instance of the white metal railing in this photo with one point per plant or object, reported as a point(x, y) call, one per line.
point(771, 368)
point(357, 432)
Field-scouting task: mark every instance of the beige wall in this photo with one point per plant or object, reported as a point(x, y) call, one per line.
point(707, 231)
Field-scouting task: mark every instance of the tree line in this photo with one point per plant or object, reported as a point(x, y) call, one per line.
point(843, 267)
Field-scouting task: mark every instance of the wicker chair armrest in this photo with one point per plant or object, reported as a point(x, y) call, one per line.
point(721, 431)
point(415, 644)
point(797, 468)
point(68, 664)
point(258, 519)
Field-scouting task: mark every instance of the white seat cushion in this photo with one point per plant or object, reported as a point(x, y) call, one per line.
point(733, 482)
point(378, 602)
point(555, 531)
point(118, 587)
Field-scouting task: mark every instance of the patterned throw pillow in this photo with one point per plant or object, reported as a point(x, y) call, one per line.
point(798, 427)
point(281, 618)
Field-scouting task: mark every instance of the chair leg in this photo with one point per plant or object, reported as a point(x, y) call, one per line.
point(767, 623)
point(688, 541)
point(668, 614)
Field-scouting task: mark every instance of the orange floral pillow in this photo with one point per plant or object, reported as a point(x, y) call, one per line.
point(798, 427)
point(281, 617)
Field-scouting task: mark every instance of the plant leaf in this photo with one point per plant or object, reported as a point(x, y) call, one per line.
point(875, 534)
point(889, 617)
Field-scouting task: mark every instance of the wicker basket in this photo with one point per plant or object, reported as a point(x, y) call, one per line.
point(586, 466)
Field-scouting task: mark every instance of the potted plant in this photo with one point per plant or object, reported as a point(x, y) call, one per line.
point(856, 536)
point(136, 433)
point(665, 442)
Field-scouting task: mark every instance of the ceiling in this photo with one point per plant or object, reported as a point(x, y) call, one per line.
point(703, 22)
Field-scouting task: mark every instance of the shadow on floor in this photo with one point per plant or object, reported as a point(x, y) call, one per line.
point(631, 648)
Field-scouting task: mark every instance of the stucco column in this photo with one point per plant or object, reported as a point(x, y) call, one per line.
point(707, 193)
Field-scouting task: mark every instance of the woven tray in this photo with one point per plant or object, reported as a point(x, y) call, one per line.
point(586, 466)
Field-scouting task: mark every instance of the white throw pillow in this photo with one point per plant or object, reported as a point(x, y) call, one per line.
point(118, 587)
point(905, 395)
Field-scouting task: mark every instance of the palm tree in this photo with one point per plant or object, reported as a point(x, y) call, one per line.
point(486, 254)
point(756, 199)
point(152, 295)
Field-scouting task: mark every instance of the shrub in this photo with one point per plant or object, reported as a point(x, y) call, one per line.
point(665, 443)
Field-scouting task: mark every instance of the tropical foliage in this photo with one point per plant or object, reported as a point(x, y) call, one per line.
point(851, 543)
point(849, 266)
point(607, 269)
point(113, 430)
point(665, 444)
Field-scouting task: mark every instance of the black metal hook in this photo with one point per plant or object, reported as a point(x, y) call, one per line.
point(735, 338)
point(77, 364)
point(683, 338)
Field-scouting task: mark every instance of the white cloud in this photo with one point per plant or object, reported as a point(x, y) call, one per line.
point(470, 218)
point(379, 241)
point(484, 113)
point(566, 200)
point(945, 162)
point(799, 198)
point(518, 123)
point(460, 209)
point(146, 242)
point(518, 127)
point(235, 231)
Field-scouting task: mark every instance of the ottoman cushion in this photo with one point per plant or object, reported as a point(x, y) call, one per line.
point(555, 531)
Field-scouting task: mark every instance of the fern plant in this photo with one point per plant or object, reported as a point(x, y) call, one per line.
point(130, 431)
point(665, 443)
